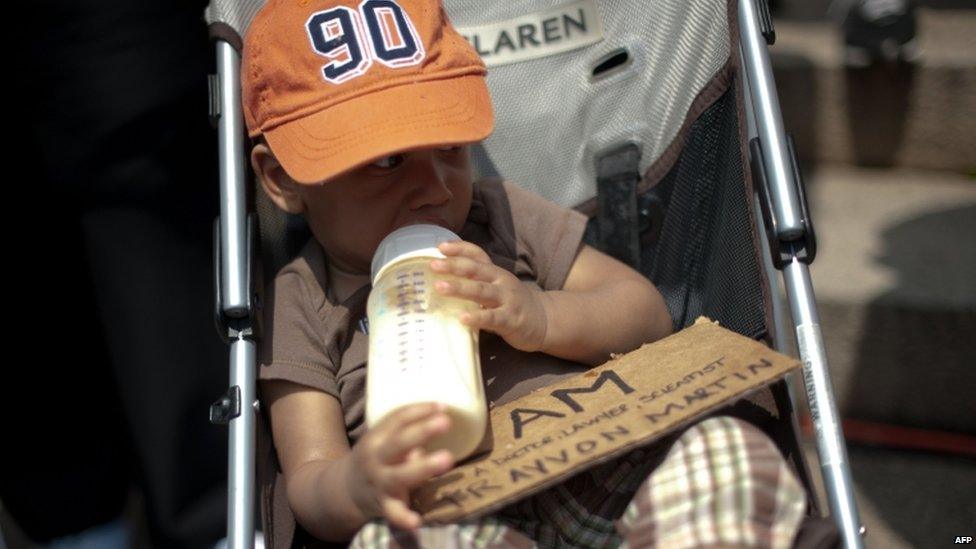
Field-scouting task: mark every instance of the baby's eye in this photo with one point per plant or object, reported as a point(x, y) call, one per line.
point(388, 162)
point(451, 149)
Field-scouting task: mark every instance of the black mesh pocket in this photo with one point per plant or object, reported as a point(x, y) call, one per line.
point(704, 259)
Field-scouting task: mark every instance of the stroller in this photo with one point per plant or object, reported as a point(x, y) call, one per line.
point(673, 192)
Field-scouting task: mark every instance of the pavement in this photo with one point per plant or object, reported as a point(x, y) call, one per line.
point(918, 115)
point(895, 279)
point(911, 499)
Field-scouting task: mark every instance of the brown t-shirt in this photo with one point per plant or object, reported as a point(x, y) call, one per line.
point(312, 340)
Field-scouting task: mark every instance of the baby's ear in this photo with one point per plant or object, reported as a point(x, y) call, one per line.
point(277, 184)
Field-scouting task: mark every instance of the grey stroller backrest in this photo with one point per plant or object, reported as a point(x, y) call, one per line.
point(571, 80)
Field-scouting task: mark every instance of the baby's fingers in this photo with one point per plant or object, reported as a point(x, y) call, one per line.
point(464, 248)
point(484, 294)
point(465, 267)
point(399, 515)
point(399, 443)
point(403, 478)
point(402, 417)
point(491, 319)
point(415, 472)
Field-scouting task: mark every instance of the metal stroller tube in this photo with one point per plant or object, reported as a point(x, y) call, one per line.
point(233, 206)
point(769, 120)
point(831, 448)
point(240, 478)
point(793, 235)
point(233, 241)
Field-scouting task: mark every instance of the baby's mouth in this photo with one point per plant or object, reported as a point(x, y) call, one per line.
point(427, 220)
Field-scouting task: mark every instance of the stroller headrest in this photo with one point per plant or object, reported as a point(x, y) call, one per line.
point(571, 79)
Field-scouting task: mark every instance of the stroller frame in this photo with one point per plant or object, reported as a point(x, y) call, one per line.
point(790, 248)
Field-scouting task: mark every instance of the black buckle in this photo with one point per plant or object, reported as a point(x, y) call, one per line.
point(213, 87)
point(803, 248)
point(227, 407)
point(618, 220)
point(765, 21)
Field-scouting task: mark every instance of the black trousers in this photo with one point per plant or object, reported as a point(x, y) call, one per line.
point(113, 192)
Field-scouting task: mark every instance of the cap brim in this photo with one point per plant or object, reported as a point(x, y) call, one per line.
point(450, 111)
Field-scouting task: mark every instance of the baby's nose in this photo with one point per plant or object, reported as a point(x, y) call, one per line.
point(430, 187)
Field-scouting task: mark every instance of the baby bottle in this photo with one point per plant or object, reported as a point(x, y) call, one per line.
point(418, 349)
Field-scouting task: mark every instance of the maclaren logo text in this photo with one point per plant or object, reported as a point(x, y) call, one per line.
point(536, 35)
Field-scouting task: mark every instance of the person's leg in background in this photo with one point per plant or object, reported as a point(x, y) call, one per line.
point(113, 95)
point(66, 464)
point(877, 31)
point(152, 259)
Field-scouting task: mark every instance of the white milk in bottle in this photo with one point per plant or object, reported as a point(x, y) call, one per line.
point(418, 349)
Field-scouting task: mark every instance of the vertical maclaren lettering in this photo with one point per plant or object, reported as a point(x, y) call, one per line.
point(809, 381)
point(606, 375)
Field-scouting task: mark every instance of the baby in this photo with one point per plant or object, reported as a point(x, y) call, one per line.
point(362, 114)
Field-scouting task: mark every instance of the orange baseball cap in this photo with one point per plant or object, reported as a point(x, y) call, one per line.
point(333, 85)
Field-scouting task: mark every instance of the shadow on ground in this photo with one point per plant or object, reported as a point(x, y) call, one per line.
point(914, 364)
point(914, 367)
point(926, 499)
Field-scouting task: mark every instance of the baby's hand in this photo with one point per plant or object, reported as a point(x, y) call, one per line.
point(389, 461)
point(509, 307)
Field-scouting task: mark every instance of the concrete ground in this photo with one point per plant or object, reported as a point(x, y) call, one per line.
point(918, 115)
point(911, 499)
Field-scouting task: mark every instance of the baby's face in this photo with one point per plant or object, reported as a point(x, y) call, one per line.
point(352, 213)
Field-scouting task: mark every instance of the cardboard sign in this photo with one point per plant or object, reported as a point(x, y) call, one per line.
point(632, 400)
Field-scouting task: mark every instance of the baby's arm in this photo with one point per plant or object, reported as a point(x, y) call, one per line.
point(604, 307)
point(334, 489)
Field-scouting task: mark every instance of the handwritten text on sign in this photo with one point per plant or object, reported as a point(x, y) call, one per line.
point(553, 433)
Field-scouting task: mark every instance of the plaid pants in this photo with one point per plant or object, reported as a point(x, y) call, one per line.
point(722, 482)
